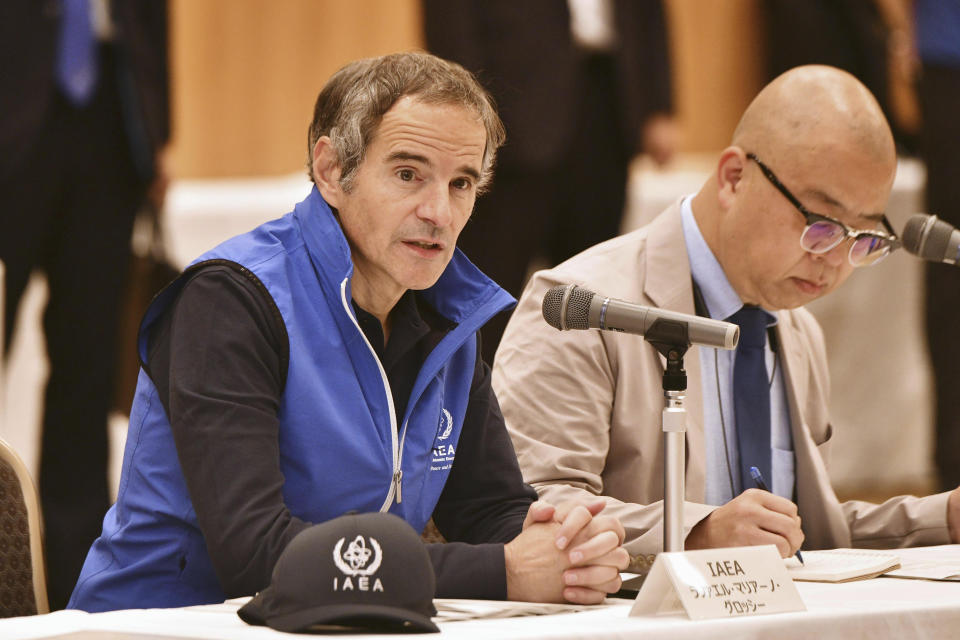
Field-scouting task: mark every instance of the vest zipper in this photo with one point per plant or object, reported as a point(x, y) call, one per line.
point(398, 476)
point(397, 449)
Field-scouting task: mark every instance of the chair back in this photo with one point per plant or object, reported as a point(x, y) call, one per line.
point(3, 336)
point(23, 582)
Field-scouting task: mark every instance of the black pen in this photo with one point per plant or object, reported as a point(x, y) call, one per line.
point(758, 479)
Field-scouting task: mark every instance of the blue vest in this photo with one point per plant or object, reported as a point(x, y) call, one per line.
point(341, 446)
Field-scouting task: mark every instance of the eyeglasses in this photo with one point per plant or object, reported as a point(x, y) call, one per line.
point(823, 233)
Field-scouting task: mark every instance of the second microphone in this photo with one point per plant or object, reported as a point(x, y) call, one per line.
point(573, 307)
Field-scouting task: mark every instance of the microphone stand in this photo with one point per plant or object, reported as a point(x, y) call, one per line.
point(671, 340)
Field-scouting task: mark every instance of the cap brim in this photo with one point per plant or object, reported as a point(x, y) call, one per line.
point(256, 611)
point(354, 615)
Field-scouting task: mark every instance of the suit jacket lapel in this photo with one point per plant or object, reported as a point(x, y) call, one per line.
point(668, 285)
point(823, 521)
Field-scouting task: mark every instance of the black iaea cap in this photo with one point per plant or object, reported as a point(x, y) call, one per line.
point(367, 570)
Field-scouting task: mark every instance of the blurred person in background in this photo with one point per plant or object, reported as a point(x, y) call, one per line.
point(857, 36)
point(84, 90)
point(582, 86)
point(938, 48)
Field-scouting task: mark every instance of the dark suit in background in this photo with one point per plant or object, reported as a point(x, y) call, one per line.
point(71, 180)
point(848, 34)
point(938, 45)
point(573, 117)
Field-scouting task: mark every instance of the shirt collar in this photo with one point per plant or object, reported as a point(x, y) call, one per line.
point(462, 294)
point(719, 296)
point(414, 323)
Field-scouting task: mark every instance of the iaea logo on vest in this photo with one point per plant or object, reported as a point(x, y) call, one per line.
point(446, 425)
point(442, 454)
point(358, 561)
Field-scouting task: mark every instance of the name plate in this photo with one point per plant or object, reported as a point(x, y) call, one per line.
point(718, 583)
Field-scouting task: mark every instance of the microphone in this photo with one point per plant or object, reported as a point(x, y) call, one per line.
point(568, 306)
point(930, 238)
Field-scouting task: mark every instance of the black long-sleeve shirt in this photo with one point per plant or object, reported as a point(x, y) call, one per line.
point(218, 362)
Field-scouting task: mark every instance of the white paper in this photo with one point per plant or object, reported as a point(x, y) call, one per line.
point(449, 610)
point(929, 563)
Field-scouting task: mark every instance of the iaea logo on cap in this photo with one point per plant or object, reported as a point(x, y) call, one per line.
point(358, 570)
point(359, 561)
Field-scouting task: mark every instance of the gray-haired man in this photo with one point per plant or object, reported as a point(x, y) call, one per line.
point(327, 362)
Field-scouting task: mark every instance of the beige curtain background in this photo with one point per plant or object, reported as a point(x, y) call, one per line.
point(246, 72)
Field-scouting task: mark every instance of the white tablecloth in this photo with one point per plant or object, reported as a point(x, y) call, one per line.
point(879, 608)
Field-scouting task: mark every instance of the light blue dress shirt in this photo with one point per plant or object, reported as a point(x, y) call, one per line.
point(716, 365)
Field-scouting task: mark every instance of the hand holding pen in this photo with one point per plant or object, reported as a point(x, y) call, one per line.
point(753, 517)
point(758, 480)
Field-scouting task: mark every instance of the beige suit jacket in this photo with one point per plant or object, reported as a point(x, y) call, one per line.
point(584, 407)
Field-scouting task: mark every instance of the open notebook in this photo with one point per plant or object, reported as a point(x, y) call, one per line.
point(831, 565)
point(841, 565)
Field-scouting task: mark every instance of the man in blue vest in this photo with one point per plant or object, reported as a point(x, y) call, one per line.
point(328, 362)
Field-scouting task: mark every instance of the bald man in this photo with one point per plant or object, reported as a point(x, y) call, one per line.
point(795, 204)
